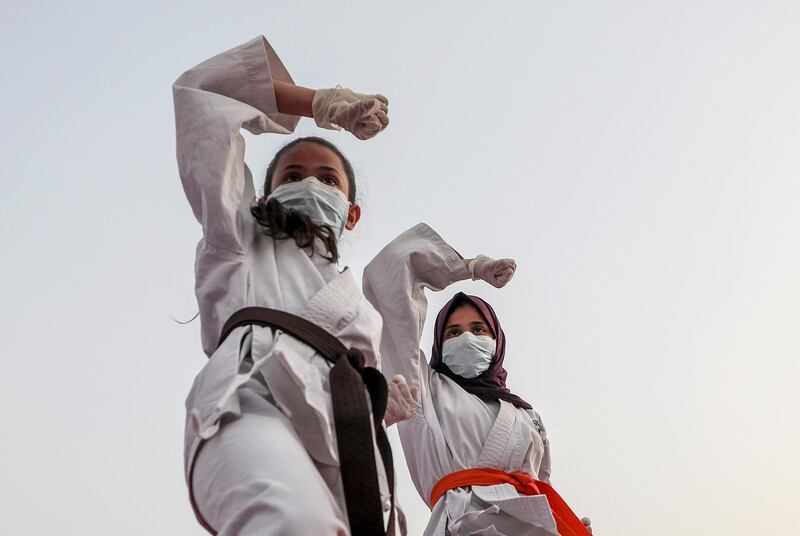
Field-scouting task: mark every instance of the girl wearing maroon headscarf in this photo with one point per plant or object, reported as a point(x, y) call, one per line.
point(478, 454)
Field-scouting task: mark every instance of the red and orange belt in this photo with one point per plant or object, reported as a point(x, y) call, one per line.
point(567, 522)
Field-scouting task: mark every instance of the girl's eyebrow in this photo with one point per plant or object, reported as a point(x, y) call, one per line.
point(473, 323)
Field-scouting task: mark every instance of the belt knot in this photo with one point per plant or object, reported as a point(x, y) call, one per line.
point(356, 359)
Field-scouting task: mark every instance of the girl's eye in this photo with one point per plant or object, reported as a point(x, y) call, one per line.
point(329, 180)
point(478, 330)
point(452, 333)
point(292, 177)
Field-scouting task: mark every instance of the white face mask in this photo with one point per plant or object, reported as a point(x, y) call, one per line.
point(324, 204)
point(468, 355)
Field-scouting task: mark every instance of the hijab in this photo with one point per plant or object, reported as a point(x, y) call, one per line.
point(491, 384)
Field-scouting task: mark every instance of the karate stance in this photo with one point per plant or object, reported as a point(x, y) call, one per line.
point(474, 449)
point(261, 452)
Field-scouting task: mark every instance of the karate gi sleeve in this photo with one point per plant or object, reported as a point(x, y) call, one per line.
point(213, 101)
point(546, 466)
point(395, 282)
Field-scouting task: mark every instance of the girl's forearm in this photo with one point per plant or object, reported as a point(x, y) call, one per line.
point(292, 99)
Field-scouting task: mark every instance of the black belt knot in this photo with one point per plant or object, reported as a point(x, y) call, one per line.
point(349, 377)
point(356, 358)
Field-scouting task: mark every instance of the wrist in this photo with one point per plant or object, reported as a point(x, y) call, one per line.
point(473, 264)
point(321, 107)
point(292, 99)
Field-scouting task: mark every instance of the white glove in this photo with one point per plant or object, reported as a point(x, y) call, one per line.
point(362, 115)
point(495, 272)
point(402, 401)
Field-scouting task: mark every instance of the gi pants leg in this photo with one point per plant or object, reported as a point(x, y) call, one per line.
point(254, 477)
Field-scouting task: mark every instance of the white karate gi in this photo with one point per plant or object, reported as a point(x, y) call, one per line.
point(261, 406)
point(450, 430)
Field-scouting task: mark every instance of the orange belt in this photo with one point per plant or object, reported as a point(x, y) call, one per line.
point(567, 522)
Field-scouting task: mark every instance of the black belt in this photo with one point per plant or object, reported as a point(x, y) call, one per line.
point(348, 378)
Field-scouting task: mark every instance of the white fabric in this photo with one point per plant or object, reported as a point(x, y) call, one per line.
point(248, 475)
point(469, 355)
point(497, 451)
point(325, 205)
point(237, 265)
point(450, 426)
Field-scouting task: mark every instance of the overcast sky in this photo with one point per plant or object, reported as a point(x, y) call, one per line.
point(638, 159)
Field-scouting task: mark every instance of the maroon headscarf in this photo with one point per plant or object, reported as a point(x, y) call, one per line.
point(491, 384)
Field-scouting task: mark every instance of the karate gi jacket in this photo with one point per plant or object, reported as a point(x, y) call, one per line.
point(237, 265)
point(452, 429)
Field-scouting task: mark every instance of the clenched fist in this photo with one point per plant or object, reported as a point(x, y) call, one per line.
point(402, 401)
point(362, 115)
point(495, 272)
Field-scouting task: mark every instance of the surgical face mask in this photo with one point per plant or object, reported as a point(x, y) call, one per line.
point(468, 355)
point(324, 204)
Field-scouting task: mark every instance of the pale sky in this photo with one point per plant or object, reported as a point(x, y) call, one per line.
point(638, 159)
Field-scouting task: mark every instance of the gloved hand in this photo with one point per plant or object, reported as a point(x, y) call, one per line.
point(402, 401)
point(495, 272)
point(362, 115)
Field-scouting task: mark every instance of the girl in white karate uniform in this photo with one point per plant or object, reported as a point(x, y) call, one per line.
point(260, 452)
point(474, 449)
